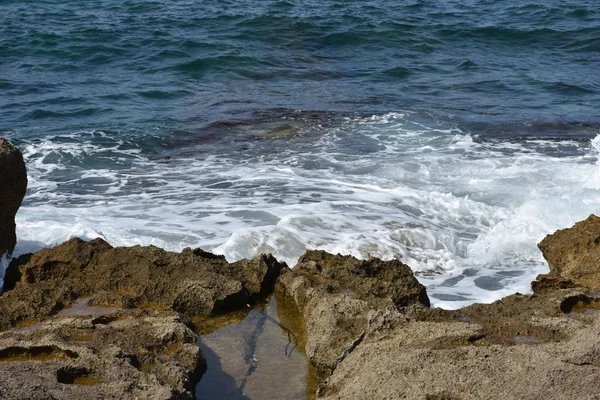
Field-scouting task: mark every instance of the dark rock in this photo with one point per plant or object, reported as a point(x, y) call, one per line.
point(13, 184)
point(191, 282)
point(369, 280)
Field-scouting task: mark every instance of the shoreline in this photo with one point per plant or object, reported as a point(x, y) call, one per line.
point(85, 319)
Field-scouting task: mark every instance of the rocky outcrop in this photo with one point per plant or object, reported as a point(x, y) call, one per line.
point(365, 343)
point(573, 254)
point(192, 282)
point(88, 320)
point(13, 183)
point(336, 296)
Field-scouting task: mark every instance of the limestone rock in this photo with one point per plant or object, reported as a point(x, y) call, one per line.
point(94, 353)
point(573, 254)
point(88, 320)
point(405, 364)
point(370, 280)
point(336, 295)
point(541, 346)
point(13, 184)
point(192, 282)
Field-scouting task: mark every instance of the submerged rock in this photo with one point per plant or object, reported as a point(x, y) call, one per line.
point(13, 184)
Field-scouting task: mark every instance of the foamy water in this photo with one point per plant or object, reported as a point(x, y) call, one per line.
point(464, 213)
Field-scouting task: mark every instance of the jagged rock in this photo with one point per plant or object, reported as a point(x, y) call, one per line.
point(95, 353)
point(541, 346)
point(336, 295)
point(192, 282)
point(573, 254)
point(112, 323)
point(370, 280)
point(13, 184)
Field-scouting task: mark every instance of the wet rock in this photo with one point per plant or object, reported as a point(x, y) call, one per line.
point(192, 282)
point(13, 184)
point(573, 254)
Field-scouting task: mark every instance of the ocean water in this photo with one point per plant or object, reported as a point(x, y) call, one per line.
point(452, 135)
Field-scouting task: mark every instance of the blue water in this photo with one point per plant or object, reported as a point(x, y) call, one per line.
point(450, 134)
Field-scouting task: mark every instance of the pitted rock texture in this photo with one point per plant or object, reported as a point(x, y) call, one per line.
point(366, 344)
point(117, 354)
point(336, 296)
point(192, 282)
point(573, 254)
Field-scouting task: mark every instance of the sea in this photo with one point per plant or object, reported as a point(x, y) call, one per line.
point(452, 135)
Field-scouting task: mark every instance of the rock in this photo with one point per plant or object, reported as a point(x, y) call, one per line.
point(336, 295)
point(370, 280)
point(573, 254)
point(542, 346)
point(92, 354)
point(88, 320)
point(192, 282)
point(370, 334)
point(13, 184)
point(408, 362)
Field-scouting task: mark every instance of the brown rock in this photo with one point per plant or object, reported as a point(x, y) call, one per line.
point(402, 363)
point(109, 322)
point(573, 254)
point(366, 342)
point(13, 184)
point(192, 282)
point(369, 280)
point(95, 353)
point(336, 296)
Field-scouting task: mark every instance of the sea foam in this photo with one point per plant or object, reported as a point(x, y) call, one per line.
point(463, 212)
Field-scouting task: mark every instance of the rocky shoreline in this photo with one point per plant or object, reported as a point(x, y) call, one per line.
point(88, 320)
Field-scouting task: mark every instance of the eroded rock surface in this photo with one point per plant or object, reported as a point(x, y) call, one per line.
point(366, 344)
point(88, 320)
point(573, 254)
point(87, 354)
point(13, 184)
point(192, 282)
point(336, 296)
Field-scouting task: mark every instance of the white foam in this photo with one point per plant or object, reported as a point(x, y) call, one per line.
point(441, 200)
point(4, 261)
